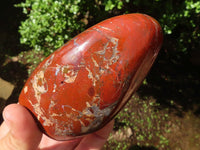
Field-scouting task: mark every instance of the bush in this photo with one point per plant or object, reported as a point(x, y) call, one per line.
point(50, 23)
point(45, 27)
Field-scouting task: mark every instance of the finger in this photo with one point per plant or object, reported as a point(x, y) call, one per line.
point(50, 144)
point(3, 130)
point(95, 141)
point(24, 133)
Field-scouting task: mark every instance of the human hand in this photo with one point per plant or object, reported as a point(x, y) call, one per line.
point(20, 132)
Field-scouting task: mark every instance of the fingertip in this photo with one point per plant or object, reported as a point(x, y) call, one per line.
point(8, 114)
point(23, 128)
point(19, 118)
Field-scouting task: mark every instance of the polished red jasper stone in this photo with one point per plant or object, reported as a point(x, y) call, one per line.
point(80, 87)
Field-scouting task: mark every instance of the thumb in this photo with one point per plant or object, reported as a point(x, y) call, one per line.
point(23, 132)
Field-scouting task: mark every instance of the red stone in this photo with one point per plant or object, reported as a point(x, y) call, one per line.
point(80, 87)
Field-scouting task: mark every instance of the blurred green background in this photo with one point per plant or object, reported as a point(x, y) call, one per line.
point(165, 111)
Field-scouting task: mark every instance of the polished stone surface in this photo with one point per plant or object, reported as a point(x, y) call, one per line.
point(84, 84)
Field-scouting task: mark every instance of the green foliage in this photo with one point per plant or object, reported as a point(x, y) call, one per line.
point(110, 4)
point(181, 22)
point(179, 19)
point(50, 23)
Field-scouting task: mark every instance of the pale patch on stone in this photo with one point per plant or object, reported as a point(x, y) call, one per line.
point(90, 76)
point(93, 111)
point(54, 88)
point(70, 79)
point(106, 28)
point(40, 114)
point(25, 89)
point(69, 73)
point(95, 62)
point(57, 69)
point(39, 89)
point(49, 61)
